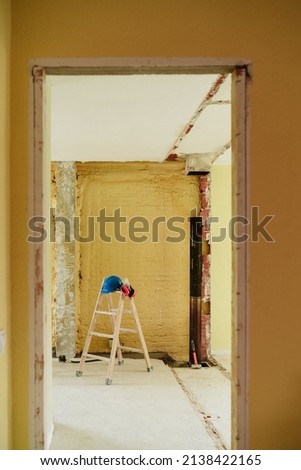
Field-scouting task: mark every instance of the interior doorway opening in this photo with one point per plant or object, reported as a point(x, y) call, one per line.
point(39, 158)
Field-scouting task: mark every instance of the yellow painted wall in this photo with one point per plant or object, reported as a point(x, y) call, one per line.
point(147, 251)
point(269, 34)
point(221, 288)
point(5, 362)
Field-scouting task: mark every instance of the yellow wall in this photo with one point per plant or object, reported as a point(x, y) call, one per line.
point(148, 191)
point(269, 34)
point(221, 266)
point(5, 388)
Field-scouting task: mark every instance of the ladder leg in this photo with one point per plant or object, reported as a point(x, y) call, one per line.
point(119, 353)
point(115, 342)
point(141, 336)
point(79, 371)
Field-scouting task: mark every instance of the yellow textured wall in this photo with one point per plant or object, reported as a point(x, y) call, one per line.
point(147, 251)
point(5, 361)
point(221, 263)
point(269, 34)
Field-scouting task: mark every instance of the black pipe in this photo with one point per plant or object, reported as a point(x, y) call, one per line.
point(195, 288)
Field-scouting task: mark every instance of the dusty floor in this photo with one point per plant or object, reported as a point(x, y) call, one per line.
point(168, 408)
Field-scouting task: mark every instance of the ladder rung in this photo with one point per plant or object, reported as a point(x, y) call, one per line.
point(99, 358)
point(127, 348)
point(101, 335)
point(128, 330)
point(106, 312)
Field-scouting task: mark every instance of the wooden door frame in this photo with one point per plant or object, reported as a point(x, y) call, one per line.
point(39, 69)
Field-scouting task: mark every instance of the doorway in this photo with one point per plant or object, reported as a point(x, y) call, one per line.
point(40, 254)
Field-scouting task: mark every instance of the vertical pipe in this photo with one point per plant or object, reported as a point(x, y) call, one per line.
point(195, 287)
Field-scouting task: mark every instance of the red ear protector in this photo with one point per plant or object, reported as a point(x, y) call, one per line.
point(128, 291)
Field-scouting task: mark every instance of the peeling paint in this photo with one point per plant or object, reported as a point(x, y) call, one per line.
point(206, 334)
point(39, 368)
point(172, 156)
point(206, 283)
point(215, 87)
point(39, 286)
point(205, 204)
point(188, 129)
point(239, 71)
point(38, 72)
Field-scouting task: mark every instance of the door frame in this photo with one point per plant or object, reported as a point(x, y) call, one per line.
point(39, 203)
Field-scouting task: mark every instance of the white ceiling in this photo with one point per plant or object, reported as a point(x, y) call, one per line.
point(138, 117)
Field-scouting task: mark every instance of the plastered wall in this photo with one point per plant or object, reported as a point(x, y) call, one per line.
point(65, 259)
point(268, 33)
point(5, 388)
point(148, 242)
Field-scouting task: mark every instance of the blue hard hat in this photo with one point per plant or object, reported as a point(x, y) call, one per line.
point(111, 284)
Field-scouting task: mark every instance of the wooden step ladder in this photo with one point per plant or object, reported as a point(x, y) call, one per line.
point(116, 315)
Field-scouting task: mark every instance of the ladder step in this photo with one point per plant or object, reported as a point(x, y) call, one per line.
point(114, 311)
point(106, 312)
point(128, 330)
point(101, 335)
point(127, 348)
point(99, 358)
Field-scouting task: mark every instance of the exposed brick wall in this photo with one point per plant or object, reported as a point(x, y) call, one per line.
point(205, 188)
point(205, 338)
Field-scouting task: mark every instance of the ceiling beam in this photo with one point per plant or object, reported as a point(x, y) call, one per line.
point(220, 102)
point(221, 150)
point(172, 154)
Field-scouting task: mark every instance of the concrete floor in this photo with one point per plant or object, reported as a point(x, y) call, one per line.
point(168, 408)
